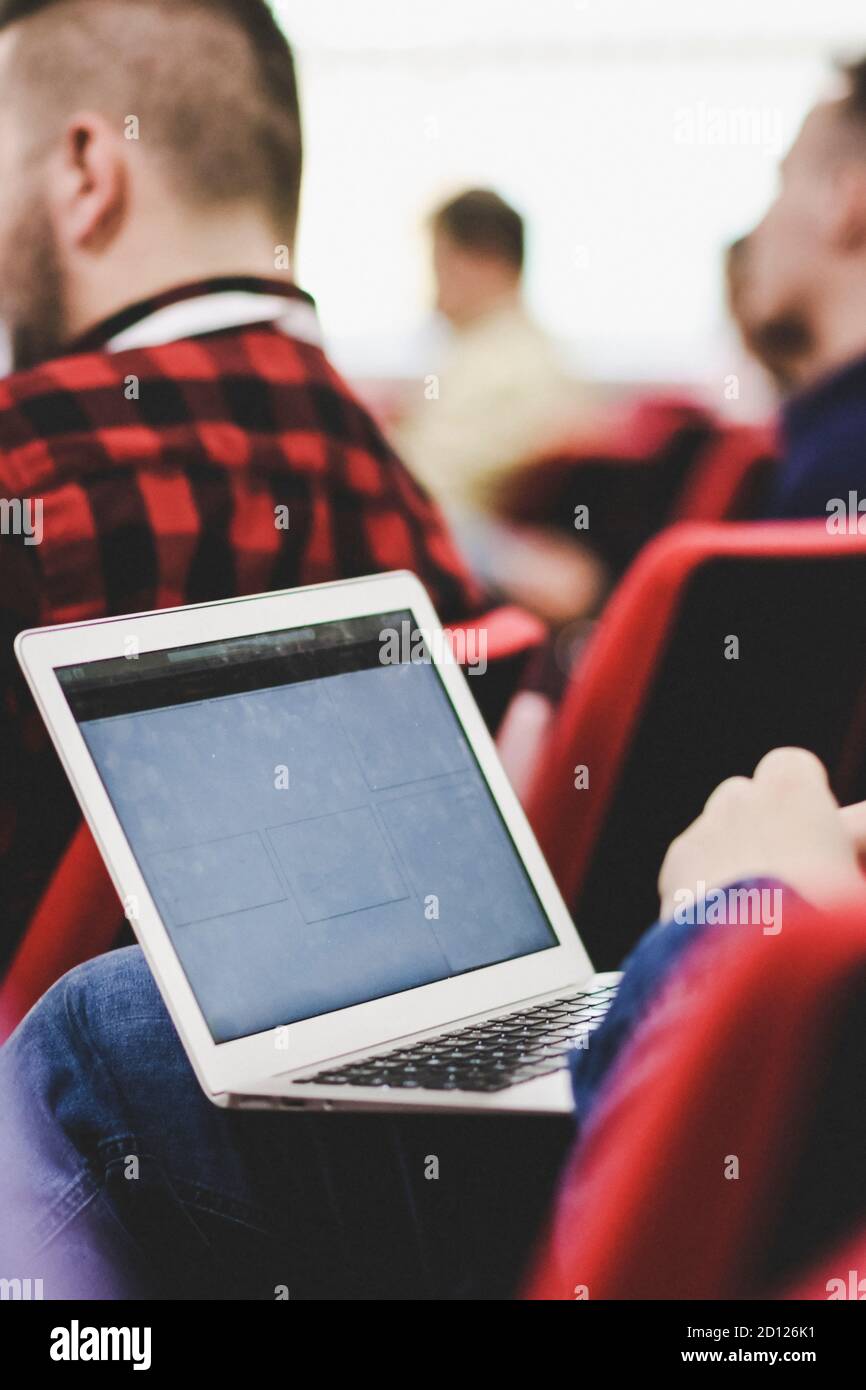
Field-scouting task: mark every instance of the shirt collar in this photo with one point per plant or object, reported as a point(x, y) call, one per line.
point(205, 306)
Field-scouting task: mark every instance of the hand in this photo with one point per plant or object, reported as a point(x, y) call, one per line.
point(782, 823)
point(854, 820)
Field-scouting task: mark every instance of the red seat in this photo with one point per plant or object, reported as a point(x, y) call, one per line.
point(664, 459)
point(79, 915)
point(841, 1275)
point(658, 714)
point(731, 480)
point(725, 1157)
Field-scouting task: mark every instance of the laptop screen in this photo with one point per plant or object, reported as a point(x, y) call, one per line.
point(308, 816)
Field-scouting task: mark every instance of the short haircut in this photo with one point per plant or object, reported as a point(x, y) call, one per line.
point(480, 221)
point(211, 83)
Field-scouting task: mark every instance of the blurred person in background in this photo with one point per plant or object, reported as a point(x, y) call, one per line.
point(500, 400)
point(799, 293)
point(771, 357)
point(502, 392)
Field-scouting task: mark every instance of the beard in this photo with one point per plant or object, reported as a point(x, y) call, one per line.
point(780, 340)
point(31, 286)
point(781, 344)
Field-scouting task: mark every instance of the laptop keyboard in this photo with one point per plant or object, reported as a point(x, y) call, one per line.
point(488, 1056)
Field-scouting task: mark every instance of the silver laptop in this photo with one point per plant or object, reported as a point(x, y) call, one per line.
point(312, 836)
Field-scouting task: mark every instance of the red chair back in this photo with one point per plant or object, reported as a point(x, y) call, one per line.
point(78, 917)
point(664, 459)
point(629, 474)
point(721, 643)
point(725, 1157)
point(731, 481)
point(840, 1276)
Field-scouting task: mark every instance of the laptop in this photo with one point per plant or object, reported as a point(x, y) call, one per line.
point(320, 854)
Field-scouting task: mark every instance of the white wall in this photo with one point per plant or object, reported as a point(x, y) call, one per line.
point(637, 137)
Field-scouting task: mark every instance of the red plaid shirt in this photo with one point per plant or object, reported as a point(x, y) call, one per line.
point(161, 448)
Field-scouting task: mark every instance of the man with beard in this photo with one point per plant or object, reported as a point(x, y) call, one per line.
point(171, 420)
point(799, 293)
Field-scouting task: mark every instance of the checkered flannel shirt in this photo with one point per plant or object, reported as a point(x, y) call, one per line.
point(194, 447)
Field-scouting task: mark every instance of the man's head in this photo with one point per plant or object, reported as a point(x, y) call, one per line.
point(477, 254)
point(799, 279)
point(141, 142)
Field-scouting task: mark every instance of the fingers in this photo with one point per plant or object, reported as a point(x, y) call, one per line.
point(783, 771)
point(722, 805)
point(792, 770)
point(795, 769)
point(783, 822)
point(728, 795)
point(784, 779)
point(854, 820)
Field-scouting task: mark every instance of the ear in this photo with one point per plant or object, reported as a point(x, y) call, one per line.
point(89, 184)
point(846, 223)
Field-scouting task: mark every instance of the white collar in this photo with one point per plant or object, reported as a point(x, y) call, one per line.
point(207, 313)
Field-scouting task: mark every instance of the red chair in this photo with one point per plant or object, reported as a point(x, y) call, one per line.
point(80, 916)
point(664, 459)
point(658, 714)
point(725, 1158)
point(629, 473)
point(840, 1276)
point(731, 481)
point(496, 650)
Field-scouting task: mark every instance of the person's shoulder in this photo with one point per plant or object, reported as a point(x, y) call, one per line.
point(39, 405)
point(21, 392)
point(816, 479)
point(211, 356)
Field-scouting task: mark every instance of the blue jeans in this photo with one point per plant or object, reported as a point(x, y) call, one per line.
point(120, 1179)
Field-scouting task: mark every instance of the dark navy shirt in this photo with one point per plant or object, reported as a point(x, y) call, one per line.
point(823, 446)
